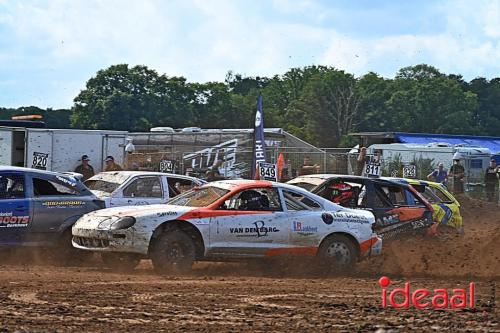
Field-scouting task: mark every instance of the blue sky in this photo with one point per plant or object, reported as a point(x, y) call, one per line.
point(49, 49)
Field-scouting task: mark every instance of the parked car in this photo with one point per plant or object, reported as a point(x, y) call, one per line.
point(446, 206)
point(38, 208)
point(398, 208)
point(226, 221)
point(130, 188)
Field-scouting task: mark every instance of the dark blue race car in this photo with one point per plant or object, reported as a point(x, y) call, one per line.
point(38, 208)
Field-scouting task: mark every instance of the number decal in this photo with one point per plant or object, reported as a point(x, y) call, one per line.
point(39, 160)
point(267, 171)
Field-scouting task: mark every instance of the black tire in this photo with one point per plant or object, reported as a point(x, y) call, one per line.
point(67, 255)
point(337, 253)
point(121, 262)
point(173, 253)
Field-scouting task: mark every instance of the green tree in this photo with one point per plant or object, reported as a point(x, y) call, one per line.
point(134, 99)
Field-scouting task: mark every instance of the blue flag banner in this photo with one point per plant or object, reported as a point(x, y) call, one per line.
point(259, 145)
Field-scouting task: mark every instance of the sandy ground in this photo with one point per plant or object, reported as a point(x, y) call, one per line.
point(233, 297)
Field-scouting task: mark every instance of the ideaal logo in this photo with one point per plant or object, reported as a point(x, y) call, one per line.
point(424, 298)
point(259, 230)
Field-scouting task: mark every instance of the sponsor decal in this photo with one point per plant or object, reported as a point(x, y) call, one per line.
point(304, 230)
point(258, 230)
point(163, 214)
point(388, 220)
point(350, 218)
point(404, 298)
point(63, 204)
point(9, 220)
point(67, 181)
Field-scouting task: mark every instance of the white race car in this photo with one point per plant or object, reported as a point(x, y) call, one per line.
point(229, 220)
point(135, 188)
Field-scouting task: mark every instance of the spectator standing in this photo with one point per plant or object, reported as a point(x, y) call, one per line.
point(111, 165)
point(440, 175)
point(491, 177)
point(361, 161)
point(308, 168)
point(85, 169)
point(457, 174)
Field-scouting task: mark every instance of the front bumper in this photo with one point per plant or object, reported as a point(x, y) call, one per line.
point(128, 240)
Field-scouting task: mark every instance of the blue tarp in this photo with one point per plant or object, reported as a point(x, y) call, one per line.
point(490, 142)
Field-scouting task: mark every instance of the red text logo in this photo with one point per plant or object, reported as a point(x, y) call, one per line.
point(424, 298)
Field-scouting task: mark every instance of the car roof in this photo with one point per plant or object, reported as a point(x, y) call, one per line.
point(145, 173)
point(331, 176)
point(412, 181)
point(26, 170)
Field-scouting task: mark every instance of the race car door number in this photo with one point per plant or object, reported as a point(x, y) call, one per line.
point(409, 171)
point(40, 160)
point(166, 166)
point(373, 169)
point(267, 171)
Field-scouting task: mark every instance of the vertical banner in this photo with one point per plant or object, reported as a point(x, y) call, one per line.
point(259, 145)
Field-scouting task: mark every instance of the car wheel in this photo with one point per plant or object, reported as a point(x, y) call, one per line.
point(338, 253)
point(121, 262)
point(67, 255)
point(173, 253)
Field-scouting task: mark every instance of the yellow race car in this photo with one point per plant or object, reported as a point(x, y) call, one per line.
point(446, 207)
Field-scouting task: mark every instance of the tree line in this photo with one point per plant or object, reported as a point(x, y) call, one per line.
point(319, 104)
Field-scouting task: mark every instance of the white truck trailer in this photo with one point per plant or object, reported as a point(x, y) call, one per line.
point(59, 149)
point(474, 159)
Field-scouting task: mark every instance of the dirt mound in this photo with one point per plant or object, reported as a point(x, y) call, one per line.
point(476, 253)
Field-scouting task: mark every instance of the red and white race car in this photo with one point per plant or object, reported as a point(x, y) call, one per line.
point(229, 220)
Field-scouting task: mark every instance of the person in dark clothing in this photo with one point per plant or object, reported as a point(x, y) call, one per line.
point(491, 177)
point(457, 175)
point(85, 168)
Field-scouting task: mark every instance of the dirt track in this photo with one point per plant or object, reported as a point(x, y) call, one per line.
point(230, 297)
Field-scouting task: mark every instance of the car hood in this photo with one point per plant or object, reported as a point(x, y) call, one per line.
point(139, 211)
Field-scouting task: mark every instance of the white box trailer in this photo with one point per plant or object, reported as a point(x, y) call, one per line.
point(59, 149)
point(475, 159)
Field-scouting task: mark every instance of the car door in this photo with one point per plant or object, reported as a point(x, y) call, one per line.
point(140, 190)
point(304, 219)
point(15, 208)
point(238, 230)
point(57, 202)
point(393, 212)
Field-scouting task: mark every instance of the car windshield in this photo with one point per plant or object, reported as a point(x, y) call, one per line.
point(199, 197)
point(106, 182)
point(305, 186)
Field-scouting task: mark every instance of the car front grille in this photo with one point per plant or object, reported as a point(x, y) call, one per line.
point(91, 242)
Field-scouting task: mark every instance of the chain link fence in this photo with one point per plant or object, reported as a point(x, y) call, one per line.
point(236, 163)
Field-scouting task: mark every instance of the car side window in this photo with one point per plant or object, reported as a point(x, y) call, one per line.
point(178, 186)
point(12, 186)
point(255, 199)
point(43, 187)
point(297, 201)
point(144, 187)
